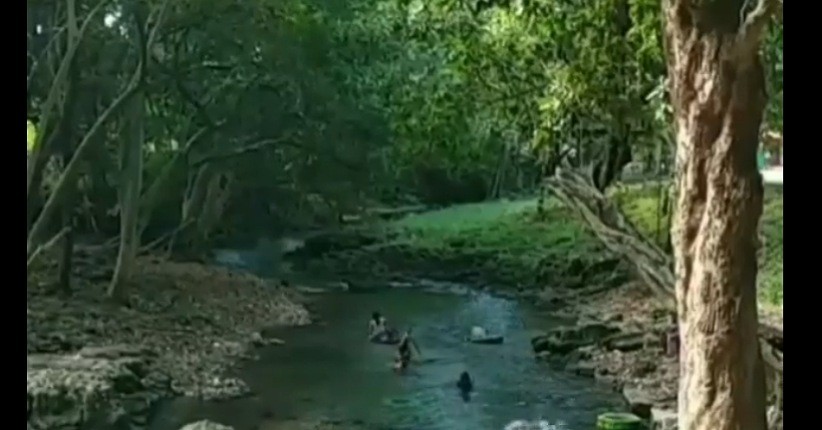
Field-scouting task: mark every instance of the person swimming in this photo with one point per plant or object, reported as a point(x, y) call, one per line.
point(406, 347)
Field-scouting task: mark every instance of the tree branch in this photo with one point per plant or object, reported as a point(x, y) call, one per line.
point(72, 169)
point(615, 231)
point(49, 107)
point(755, 22)
point(257, 146)
point(46, 246)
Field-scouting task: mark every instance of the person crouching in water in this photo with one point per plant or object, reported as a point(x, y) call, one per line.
point(404, 351)
point(377, 326)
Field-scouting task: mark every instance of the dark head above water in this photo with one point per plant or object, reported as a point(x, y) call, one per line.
point(465, 384)
point(376, 317)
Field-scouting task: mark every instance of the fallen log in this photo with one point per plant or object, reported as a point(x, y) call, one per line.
point(653, 265)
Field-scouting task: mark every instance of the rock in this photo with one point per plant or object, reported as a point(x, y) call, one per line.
point(627, 342)
point(259, 340)
point(205, 425)
point(555, 345)
point(639, 401)
point(663, 419)
point(566, 339)
point(223, 389)
point(584, 368)
point(96, 388)
point(310, 290)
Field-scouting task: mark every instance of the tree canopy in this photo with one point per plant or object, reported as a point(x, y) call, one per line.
point(295, 112)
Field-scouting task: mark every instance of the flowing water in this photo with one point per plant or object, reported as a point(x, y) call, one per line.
point(329, 370)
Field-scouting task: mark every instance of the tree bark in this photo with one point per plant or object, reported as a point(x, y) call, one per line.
point(718, 96)
point(153, 193)
point(653, 265)
point(129, 196)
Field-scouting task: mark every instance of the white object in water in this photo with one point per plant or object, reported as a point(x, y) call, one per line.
point(478, 332)
point(532, 425)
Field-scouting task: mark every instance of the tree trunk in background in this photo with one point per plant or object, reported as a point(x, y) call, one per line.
point(718, 95)
point(131, 171)
point(67, 251)
point(617, 153)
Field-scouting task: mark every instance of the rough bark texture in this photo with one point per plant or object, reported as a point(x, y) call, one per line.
point(653, 265)
point(718, 96)
point(130, 176)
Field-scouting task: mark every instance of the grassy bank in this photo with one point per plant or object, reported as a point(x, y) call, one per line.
point(642, 205)
point(510, 232)
point(513, 237)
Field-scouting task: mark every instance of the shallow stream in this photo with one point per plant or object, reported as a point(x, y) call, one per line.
point(330, 371)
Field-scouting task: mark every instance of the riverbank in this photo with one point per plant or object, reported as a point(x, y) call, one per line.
point(185, 324)
point(509, 246)
point(545, 255)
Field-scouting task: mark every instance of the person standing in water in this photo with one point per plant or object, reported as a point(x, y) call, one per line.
point(404, 351)
point(465, 385)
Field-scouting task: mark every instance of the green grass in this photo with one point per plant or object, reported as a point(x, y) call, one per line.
point(511, 232)
point(518, 239)
point(641, 205)
point(770, 271)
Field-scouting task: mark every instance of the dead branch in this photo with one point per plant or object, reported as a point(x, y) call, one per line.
point(46, 246)
point(752, 28)
point(622, 238)
point(614, 230)
point(148, 248)
point(243, 150)
point(36, 60)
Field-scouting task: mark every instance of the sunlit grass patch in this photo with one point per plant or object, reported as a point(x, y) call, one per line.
point(511, 231)
point(641, 205)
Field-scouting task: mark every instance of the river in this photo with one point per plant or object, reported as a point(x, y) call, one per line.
point(329, 370)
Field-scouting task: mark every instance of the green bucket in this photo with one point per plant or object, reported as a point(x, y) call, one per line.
point(619, 421)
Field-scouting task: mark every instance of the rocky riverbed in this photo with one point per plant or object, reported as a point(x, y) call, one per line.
point(624, 338)
point(93, 365)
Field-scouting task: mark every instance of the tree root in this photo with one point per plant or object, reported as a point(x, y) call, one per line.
point(653, 266)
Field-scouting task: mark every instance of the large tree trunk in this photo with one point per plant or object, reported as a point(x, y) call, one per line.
point(652, 264)
point(130, 184)
point(718, 96)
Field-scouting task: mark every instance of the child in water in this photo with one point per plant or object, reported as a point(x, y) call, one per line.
point(377, 326)
point(404, 351)
point(465, 385)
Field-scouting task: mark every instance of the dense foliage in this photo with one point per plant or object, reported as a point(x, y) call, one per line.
point(305, 110)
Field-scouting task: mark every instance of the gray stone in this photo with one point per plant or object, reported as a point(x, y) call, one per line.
point(91, 389)
point(566, 339)
point(639, 401)
point(663, 419)
point(583, 368)
point(205, 425)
